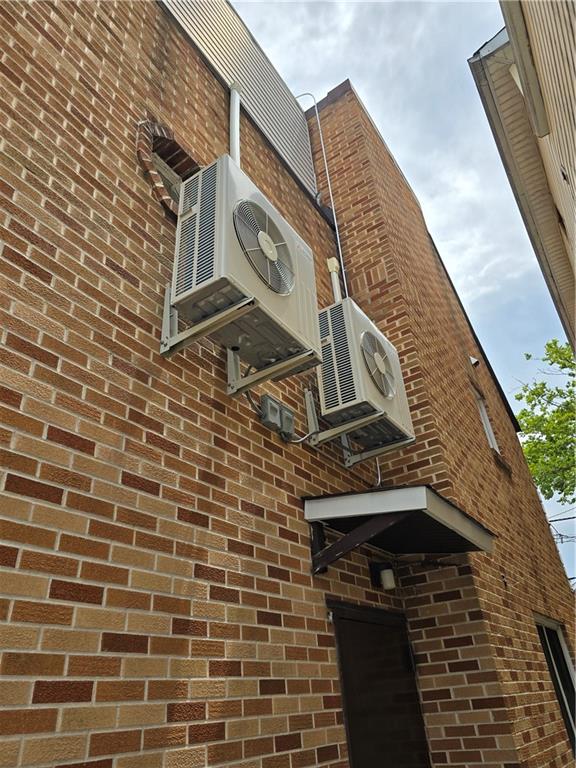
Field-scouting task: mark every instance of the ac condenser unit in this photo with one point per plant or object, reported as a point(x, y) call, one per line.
point(232, 244)
point(360, 376)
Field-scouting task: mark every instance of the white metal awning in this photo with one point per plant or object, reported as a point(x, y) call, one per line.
point(405, 520)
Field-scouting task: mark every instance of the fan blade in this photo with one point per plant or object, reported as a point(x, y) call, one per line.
point(286, 275)
point(384, 387)
point(274, 232)
point(259, 262)
point(246, 215)
point(275, 279)
point(248, 238)
point(249, 221)
point(390, 384)
point(260, 215)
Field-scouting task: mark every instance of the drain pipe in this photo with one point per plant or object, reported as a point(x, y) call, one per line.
point(338, 244)
point(235, 123)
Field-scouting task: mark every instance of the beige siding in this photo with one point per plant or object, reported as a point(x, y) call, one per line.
point(551, 31)
point(528, 171)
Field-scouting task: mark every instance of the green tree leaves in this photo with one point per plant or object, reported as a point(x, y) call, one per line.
point(548, 423)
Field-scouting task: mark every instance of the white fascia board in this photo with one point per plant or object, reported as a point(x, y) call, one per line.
point(454, 519)
point(363, 504)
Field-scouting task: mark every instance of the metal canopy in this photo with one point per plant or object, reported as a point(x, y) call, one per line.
point(410, 520)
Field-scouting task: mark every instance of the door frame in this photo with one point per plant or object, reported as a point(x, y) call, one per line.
point(370, 615)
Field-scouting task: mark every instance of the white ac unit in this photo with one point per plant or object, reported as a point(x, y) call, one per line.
point(361, 376)
point(232, 244)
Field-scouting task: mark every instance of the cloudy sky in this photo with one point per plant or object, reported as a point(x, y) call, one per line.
point(408, 62)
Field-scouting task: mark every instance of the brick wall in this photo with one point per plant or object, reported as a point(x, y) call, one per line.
point(158, 607)
point(485, 690)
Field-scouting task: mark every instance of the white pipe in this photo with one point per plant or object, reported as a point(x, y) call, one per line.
point(334, 268)
point(338, 244)
point(235, 124)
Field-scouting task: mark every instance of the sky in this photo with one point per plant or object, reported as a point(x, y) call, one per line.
point(408, 63)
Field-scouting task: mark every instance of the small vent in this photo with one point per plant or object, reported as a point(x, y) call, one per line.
point(207, 228)
point(190, 194)
point(342, 353)
point(323, 323)
point(378, 364)
point(264, 246)
point(329, 383)
point(187, 246)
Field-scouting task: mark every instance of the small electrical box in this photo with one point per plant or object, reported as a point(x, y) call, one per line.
point(287, 427)
point(271, 413)
point(277, 417)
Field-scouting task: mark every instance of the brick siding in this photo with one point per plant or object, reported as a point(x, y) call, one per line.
point(485, 690)
point(158, 609)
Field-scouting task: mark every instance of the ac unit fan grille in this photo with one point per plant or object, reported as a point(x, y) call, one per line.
point(264, 246)
point(378, 364)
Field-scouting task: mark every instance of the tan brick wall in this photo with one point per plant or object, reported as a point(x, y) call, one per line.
point(158, 607)
point(487, 696)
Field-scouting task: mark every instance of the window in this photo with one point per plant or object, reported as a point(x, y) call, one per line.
point(486, 421)
point(561, 672)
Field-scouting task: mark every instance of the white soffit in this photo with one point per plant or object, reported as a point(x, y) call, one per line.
point(334, 510)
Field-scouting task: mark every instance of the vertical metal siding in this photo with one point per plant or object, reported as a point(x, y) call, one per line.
point(220, 34)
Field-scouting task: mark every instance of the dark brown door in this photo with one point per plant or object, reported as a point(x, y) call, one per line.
point(381, 706)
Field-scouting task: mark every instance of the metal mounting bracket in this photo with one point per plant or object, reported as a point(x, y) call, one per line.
point(172, 341)
point(351, 458)
point(317, 437)
point(342, 431)
point(238, 383)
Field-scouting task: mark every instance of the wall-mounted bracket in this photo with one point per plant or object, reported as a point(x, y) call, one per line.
point(342, 431)
point(238, 383)
point(317, 437)
point(172, 341)
point(323, 556)
point(351, 458)
point(317, 544)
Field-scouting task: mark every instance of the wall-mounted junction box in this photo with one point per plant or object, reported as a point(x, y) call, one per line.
point(277, 417)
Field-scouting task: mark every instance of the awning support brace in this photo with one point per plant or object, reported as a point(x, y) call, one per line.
point(323, 556)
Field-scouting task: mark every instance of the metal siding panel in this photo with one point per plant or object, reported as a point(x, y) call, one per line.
point(219, 33)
